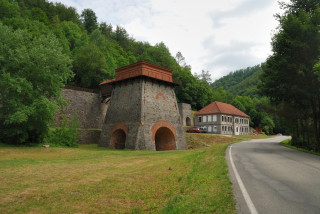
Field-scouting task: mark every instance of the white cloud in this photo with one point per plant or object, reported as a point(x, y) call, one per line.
point(214, 35)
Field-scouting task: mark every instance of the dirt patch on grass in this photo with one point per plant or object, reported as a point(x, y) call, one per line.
point(199, 141)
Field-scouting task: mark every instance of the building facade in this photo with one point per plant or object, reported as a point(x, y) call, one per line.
point(223, 118)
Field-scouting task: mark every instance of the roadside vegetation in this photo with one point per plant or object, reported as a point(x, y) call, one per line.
point(91, 179)
point(291, 75)
point(288, 143)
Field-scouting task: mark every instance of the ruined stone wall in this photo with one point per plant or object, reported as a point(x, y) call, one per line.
point(138, 106)
point(186, 114)
point(89, 109)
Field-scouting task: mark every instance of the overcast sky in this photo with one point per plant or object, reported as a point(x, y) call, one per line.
point(214, 35)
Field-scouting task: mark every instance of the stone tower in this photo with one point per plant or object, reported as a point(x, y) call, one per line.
point(143, 113)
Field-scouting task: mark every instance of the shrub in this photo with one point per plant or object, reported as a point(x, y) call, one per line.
point(65, 135)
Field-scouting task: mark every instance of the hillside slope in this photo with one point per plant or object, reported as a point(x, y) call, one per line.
point(242, 82)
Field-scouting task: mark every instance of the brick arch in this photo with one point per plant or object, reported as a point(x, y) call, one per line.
point(160, 124)
point(160, 95)
point(119, 127)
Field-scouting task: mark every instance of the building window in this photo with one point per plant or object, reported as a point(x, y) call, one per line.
point(204, 119)
point(209, 118)
point(222, 118)
point(199, 119)
point(214, 118)
point(215, 129)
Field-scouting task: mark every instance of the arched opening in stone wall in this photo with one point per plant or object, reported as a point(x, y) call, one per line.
point(118, 139)
point(164, 139)
point(188, 121)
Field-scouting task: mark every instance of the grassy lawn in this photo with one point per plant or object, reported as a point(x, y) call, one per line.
point(90, 179)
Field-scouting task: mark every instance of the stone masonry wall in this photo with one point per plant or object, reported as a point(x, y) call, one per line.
point(159, 107)
point(88, 108)
point(186, 114)
point(139, 105)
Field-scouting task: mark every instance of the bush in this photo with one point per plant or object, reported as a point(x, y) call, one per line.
point(65, 135)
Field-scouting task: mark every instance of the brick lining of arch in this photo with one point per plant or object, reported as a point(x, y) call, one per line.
point(120, 126)
point(160, 95)
point(116, 127)
point(160, 124)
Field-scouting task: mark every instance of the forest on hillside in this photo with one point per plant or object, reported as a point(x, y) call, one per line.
point(291, 75)
point(242, 82)
point(97, 49)
point(46, 45)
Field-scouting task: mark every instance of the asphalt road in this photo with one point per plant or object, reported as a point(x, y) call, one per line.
point(270, 178)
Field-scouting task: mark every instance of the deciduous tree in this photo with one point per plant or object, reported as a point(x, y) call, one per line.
point(32, 72)
point(89, 20)
point(289, 76)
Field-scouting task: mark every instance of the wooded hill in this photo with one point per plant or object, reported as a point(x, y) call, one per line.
point(242, 82)
point(97, 49)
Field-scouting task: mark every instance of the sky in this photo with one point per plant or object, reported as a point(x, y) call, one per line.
point(213, 35)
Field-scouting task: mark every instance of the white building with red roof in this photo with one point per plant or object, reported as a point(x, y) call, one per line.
point(222, 118)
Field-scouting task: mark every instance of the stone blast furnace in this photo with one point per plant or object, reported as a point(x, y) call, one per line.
point(143, 113)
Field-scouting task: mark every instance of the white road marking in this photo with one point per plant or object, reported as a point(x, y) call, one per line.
point(243, 189)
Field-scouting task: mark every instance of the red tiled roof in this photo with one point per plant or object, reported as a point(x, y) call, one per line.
point(142, 69)
point(108, 81)
point(221, 108)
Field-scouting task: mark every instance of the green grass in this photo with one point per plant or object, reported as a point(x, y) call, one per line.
point(287, 143)
point(90, 179)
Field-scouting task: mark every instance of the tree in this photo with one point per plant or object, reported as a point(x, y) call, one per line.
point(267, 124)
point(89, 66)
point(72, 32)
point(9, 9)
point(204, 77)
point(180, 59)
point(32, 72)
point(159, 55)
point(106, 30)
point(222, 95)
point(39, 15)
point(122, 37)
point(66, 13)
point(89, 19)
point(317, 69)
point(289, 76)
